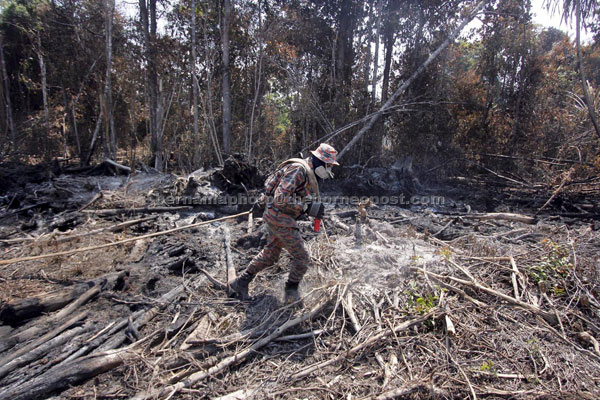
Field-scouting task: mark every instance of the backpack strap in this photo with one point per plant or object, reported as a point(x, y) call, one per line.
point(312, 179)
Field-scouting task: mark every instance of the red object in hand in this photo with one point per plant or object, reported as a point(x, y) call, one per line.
point(317, 226)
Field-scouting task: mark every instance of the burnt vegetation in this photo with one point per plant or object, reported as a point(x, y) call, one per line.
point(458, 256)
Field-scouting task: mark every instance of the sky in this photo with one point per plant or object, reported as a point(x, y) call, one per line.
point(546, 18)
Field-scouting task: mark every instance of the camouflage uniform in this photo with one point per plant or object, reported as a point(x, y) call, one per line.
point(287, 187)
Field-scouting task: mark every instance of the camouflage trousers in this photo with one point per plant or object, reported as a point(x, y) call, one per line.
point(282, 237)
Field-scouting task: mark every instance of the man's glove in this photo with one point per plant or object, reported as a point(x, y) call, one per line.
point(315, 209)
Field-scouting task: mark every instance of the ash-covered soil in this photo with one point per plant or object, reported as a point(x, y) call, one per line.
point(417, 301)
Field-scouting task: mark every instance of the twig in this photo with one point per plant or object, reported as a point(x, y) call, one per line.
point(513, 277)
point(231, 275)
point(217, 283)
point(464, 375)
point(92, 201)
point(347, 305)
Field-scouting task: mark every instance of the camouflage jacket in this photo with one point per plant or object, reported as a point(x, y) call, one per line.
point(285, 190)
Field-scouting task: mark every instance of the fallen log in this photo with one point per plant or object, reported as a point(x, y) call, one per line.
point(14, 212)
point(100, 337)
point(25, 349)
point(113, 228)
point(38, 367)
point(18, 311)
point(70, 374)
point(15, 312)
point(44, 324)
point(580, 215)
point(40, 351)
point(117, 165)
point(78, 370)
point(502, 216)
point(148, 315)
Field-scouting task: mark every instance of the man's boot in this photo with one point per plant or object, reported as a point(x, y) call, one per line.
point(239, 286)
point(292, 294)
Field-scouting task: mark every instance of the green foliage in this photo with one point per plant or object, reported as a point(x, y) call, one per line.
point(555, 264)
point(488, 366)
point(420, 302)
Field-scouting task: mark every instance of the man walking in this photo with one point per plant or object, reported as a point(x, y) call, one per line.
point(291, 191)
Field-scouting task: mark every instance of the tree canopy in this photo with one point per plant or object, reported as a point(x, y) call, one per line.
point(177, 85)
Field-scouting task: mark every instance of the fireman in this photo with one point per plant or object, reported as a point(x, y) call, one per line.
point(291, 191)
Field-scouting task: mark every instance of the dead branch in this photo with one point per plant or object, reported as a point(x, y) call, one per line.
point(513, 277)
point(347, 305)
point(231, 275)
point(218, 284)
point(199, 333)
point(565, 179)
point(250, 223)
point(43, 324)
point(94, 199)
point(48, 302)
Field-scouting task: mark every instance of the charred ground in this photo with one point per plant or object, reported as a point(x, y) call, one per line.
point(483, 296)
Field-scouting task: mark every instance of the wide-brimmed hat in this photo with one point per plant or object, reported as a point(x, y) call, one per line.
point(326, 153)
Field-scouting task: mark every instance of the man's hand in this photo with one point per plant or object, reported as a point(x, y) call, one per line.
point(315, 209)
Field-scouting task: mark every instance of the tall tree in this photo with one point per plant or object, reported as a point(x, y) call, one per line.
point(10, 125)
point(582, 75)
point(258, 71)
point(110, 137)
point(582, 10)
point(226, 76)
point(148, 21)
point(196, 85)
